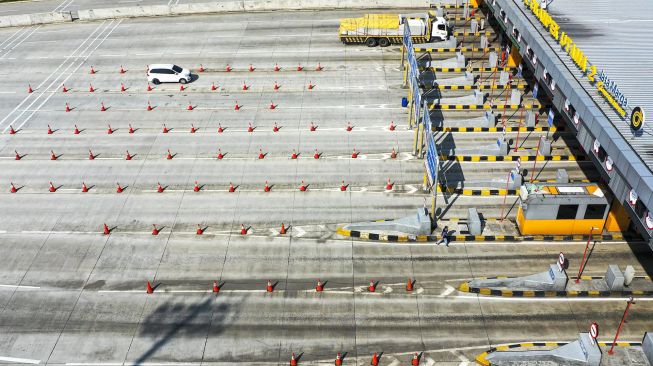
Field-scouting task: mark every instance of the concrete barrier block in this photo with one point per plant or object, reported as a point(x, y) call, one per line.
point(515, 180)
point(419, 224)
point(490, 119)
point(614, 278)
point(530, 118)
point(515, 97)
point(545, 146)
point(562, 176)
point(474, 224)
point(504, 77)
point(647, 346)
point(479, 96)
point(493, 58)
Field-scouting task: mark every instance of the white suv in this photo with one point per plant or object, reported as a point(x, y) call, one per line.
point(168, 73)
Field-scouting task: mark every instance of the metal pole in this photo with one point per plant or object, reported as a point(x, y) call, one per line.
point(537, 152)
point(623, 320)
point(582, 262)
point(505, 196)
point(521, 115)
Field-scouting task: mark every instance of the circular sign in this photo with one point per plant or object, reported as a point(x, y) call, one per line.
point(594, 330)
point(632, 197)
point(576, 118)
point(649, 221)
point(637, 119)
point(609, 164)
point(561, 259)
point(597, 146)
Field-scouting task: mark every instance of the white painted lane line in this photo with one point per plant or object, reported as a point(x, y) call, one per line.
point(20, 287)
point(19, 360)
point(11, 37)
point(21, 41)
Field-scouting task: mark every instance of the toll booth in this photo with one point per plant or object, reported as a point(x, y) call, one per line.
point(562, 208)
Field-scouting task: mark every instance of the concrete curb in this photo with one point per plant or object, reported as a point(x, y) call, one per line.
point(464, 287)
point(205, 8)
point(472, 238)
point(481, 359)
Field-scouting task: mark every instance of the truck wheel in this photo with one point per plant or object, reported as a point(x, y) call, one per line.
point(384, 42)
point(371, 42)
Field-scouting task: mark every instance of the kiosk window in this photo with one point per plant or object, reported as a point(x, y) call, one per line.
point(567, 212)
point(595, 211)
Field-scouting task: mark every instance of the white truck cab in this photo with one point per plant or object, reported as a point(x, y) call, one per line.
point(439, 30)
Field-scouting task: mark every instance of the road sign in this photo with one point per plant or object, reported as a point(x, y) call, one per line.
point(432, 160)
point(535, 88)
point(551, 116)
point(561, 261)
point(594, 331)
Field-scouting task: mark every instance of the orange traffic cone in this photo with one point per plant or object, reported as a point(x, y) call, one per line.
point(349, 127)
point(196, 188)
point(52, 155)
point(319, 67)
point(50, 132)
point(269, 286)
point(213, 87)
point(169, 156)
point(122, 70)
point(371, 287)
point(109, 130)
point(260, 154)
point(128, 156)
point(190, 106)
point(52, 188)
point(294, 154)
point(90, 88)
point(409, 285)
point(102, 107)
point(76, 130)
point(283, 229)
point(319, 287)
point(267, 187)
point(29, 88)
point(149, 288)
point(90, 155)
point(313, 127)
point(389, 185)
point(68, 108)
point(392, 126)
point(343, 187)
point(243, 229)
point(84, 187)
point(149, 87)
point(276, 86)
point(181, 87)
point(310, 85)
point(63, 88)
point(119, 189)
point(106, 230)
point(220, 129)
point(276, 67)
point(17, 156)
point(149, 106)
point(165, 129)
point(272, 105)
point(192, 128)
point(275, 128)
point(11, 130)
point(232, 189)
point(250, 128)
point(216, 288)
point(245, 86)
point(293, 360)
point(220, 154)
point(375, 360)
point(13, 188)
point(393, 154)
point(354, 154)
point(415, 360)
point(316, 155)
point(300, 67)
point(155, 231)
point(92, 70)
point(302, 187)
point(228, 68)
point(338, 361)
point(201, 68)
point(199, 230)
point(159, 188)
point(251, 68)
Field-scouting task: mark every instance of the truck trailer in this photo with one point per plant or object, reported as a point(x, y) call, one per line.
point(386, 29)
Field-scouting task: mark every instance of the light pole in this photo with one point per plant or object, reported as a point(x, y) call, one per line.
point(623, 320)
point(582, 262)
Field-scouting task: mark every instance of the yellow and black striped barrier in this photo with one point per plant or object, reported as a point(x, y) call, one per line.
point(465, 287)
point(461, 18)
point(497, 129)
point(477, 192)
point(464, 69)
point(480, 87)
point(493, 158)
point(363, 235)
point(458, 49)
point(481, 359)
point(454, 6)
point(483, 106)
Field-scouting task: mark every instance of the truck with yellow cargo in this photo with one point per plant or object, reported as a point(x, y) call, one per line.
point(386, 29)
